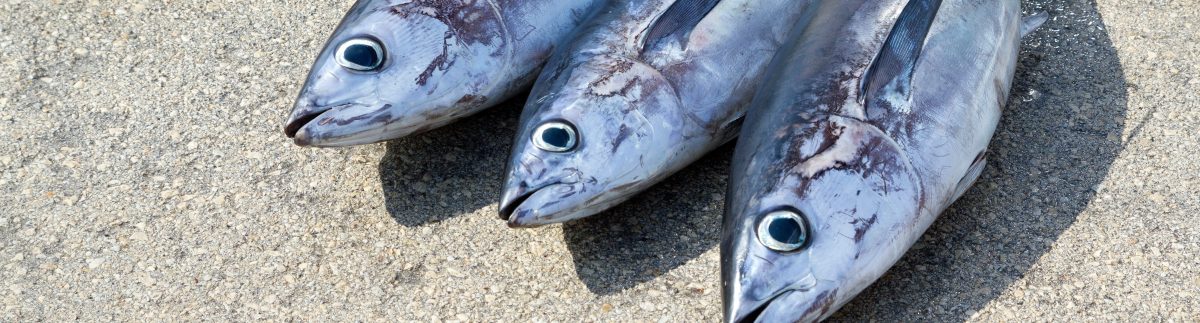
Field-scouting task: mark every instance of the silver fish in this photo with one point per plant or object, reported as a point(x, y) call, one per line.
point(874, 120)
point(648, 87)
point(398, 67)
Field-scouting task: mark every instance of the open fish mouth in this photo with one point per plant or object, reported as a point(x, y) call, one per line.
point(758, 310)
point(516, 208)
point(508, 207)
point(339, 125)
point(294, 124)
point(305, 116)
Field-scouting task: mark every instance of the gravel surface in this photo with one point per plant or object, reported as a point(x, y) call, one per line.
point(143, 175)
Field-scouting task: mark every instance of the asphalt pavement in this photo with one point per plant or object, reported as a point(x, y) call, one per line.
point(144, 176)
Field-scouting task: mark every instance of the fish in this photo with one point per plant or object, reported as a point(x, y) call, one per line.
point(394, 68)
point(648, 87)
point(875, 118)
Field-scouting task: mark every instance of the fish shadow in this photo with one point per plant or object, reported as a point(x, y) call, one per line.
point(452, 170)
point(1056, 141)
point(656, 231)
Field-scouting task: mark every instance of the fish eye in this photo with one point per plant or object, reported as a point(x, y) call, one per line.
point(783, 231)
point(360, 54)
point(555, 136)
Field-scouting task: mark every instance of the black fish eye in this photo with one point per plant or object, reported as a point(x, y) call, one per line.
point(555, 136)
point(360, 54)
point(783, 231)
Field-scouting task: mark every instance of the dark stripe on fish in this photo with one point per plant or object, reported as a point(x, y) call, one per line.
point(893, 68)
point(677, 23)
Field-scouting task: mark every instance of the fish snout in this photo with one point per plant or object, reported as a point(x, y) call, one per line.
point(526, 205)
point(746, 310)
point(760, 284)
point(346, 124)
point(511, 197)
point(524, 176)
point(303, 113)
point(788, 305)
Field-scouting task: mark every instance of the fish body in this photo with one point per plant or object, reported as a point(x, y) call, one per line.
point(393, 68)
point(647, 87)
point(873, 121)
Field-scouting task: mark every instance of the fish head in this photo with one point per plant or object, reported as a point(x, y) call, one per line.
point(811, 222)
point(392, 70)
point(592, 135)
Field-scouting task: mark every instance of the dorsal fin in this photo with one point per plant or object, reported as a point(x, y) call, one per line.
point(892, 71)
point(677, 22)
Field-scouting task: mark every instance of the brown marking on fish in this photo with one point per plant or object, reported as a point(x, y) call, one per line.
point(531, 166)
point(830, 135)
point(602, 86)
point(837, 94)
point(472, 100)
point(560, 67)
point(862, 225)
point(869, 154)
point(821, 304)
point(468, 21)
point(622, 134)
point(471, 21)
point(442, 62)
point(891, 119)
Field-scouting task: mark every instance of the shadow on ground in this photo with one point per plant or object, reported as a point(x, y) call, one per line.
point(1056, 141)
point(457, 169)
point(449, 171)
point(656, 231)
point(1058, 137)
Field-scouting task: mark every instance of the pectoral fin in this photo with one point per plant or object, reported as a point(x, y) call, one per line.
point(677, 22)
point(972, 174)
point(1031, 23)
point(891, 73)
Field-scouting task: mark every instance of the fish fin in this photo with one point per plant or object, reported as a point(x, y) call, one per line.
point(1031, 23)
point(677, 23)
point(892, 70)
point(973, 173)
point(732, 128)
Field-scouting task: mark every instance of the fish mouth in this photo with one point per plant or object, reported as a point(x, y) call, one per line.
point(303, 115)
point(507, 206)
point(747, 309)
point(340, 125)
point(513, 206)
point(294, 124)
point(754, 314)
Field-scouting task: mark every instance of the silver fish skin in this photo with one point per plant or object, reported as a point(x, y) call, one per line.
point(441, 60)
point(835, 177)
point(644, 101)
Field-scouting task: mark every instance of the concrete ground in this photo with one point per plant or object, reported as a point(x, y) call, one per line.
point(143, 175)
